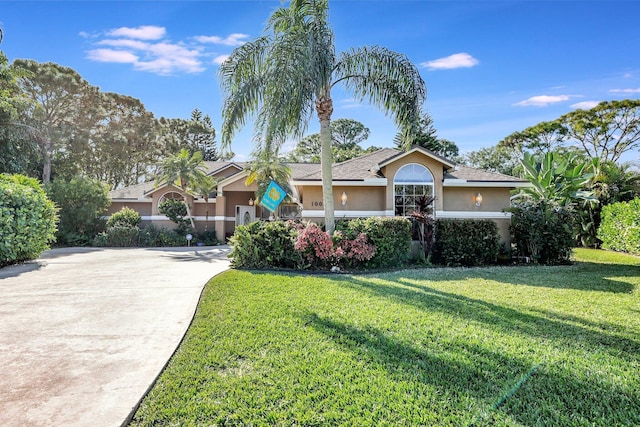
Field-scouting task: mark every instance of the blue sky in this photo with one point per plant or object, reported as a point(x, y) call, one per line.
point(491, 67)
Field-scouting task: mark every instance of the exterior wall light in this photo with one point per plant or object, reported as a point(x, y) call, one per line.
point(343, 198)
point(478, 199)
point(251, 201)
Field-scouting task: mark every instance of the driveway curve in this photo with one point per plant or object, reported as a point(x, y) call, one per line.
point(85, 332)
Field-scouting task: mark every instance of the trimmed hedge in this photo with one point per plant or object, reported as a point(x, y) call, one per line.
point(264, 244)
point(543, 231)
point(620, 227)
point(272, 244)
point(27, 219)
point(391, 236)
point(466, 242)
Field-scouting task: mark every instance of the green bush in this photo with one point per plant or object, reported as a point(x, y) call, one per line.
point(27, 219)
point(467, 242)
point(153, 236)
point(620, 227)
point(391, 237)
point(118, 237)
point(82, 202)
point(176, 211)
point(207, 238)
point(543, 231)
point(264, 244)
point(125, 217)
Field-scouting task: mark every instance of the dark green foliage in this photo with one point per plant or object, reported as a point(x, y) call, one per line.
point(265, 245)
point(620, 227)
point(391, 237)
point(176, 211)
point(466, 242)
point(82, 201)
point(543, 231)
point(154, 236)
point(125, 217)
point(207, 238)
point(27, 219)
point(118, 237)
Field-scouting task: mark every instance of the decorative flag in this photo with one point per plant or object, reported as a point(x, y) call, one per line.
point(273, 196)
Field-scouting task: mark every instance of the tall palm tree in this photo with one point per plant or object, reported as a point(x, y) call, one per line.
point(183, 170)
point(203, 187)
point(290, 71)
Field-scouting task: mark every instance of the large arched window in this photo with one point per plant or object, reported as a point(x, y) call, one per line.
point(411, 182)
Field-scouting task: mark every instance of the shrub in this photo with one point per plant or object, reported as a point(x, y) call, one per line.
point(390, 236)
point(82, 202)
point(125, 217)
point(264, 244)
point(154, 236)
point(543, 231)
point(176, 211)
point(27, 219)
point(118, 237)
point(466, 242)
point(207, 238)
point(620, 227)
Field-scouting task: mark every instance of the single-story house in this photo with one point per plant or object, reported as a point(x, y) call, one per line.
point(383, 183)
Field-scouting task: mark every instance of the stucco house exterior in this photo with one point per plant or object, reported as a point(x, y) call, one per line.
point(382, 183)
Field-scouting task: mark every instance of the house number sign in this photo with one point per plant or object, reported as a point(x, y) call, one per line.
point(315, 203)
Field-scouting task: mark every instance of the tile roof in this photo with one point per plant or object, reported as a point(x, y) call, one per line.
point(132, 192)
point(478, 175)
point(356, 169)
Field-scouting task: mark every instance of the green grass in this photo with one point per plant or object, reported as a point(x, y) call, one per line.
point(434, 347)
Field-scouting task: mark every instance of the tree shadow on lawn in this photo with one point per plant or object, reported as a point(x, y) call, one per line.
point(564, 332)
point(461, 372)
point(585, 276)
point(555, 396)
point(470, 372)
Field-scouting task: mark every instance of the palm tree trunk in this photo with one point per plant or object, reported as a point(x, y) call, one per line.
point(324, 107)
point(186, 203)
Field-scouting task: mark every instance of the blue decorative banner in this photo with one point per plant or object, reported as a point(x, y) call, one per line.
point(273, 196)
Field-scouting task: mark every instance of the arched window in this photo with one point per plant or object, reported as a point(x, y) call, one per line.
point(171, 195)
point(411, 182)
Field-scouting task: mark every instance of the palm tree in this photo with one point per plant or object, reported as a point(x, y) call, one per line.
point(266, 167)
point(290, 71)
point(183, 170)
point(203, 187)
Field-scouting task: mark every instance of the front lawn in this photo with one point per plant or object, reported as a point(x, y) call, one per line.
point(432, 347)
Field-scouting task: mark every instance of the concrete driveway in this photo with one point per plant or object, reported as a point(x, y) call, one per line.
point(85, 332)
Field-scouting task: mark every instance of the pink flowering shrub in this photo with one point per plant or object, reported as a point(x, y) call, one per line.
point(320, 249)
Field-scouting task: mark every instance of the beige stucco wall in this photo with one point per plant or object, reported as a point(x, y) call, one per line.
point(358, 198)
point(143, 208)
point(463, 199)
point(434, 166)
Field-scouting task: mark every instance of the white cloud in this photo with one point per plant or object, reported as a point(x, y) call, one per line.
point(457, 60)
point(543, 100)
point(143, 32)
point(585, 105)
point(148, 49)
point(220, 59)
point(111, 55)
point(627, 75)
point(133, 44)
point(231, 40)
point(624, 90)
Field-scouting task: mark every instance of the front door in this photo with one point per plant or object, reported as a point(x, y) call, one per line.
point(245, 214)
